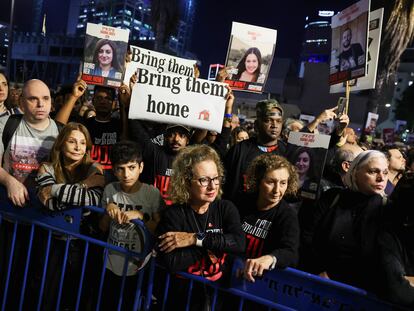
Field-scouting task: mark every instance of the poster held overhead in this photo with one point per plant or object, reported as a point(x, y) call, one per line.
point(250, 55)
point(157, 62)
point(374, 40)
point(371, 124)
point(104, 55)
point(170, 98)
point(349, 43)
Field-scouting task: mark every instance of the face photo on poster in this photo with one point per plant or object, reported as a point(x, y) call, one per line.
point(308, 156)
point(104, 55)
point(400, 126)
point(250, 55)
point(371, 124)
point(374, 39)
point(349, 43)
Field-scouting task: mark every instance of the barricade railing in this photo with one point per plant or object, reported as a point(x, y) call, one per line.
point(287, 289)
point(32, 232)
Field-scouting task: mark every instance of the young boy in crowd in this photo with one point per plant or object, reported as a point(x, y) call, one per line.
point(125, 200)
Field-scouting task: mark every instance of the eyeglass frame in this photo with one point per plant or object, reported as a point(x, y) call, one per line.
point(218, 180)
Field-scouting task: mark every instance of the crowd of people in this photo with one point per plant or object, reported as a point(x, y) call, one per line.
point(206, 197)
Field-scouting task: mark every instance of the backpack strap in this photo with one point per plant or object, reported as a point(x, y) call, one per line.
point(9, 128)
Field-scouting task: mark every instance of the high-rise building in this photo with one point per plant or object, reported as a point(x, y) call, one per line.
point(4, 44)
point(317, 40)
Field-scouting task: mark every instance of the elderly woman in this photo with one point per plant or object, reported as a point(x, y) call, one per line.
point(350, 221)
point(272, 229)
point(199, 229)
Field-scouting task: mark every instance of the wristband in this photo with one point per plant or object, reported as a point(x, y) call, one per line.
point(273, 265)
point(228, 115)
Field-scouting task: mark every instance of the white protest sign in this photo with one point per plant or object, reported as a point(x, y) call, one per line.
point(159, 62)
point(175, 99)
point(250, 54)
point(374, 40)
point(309, 140)
point(349, 43)
point(104, 55)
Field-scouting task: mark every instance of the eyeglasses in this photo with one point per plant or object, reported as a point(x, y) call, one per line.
point(205, 181)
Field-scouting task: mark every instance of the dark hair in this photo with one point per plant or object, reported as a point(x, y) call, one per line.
point(242, 64)
point(235, 132)
point(125, 151)
point(115, 63)
point(311, 173)
point(108, 90)
point(8, 85)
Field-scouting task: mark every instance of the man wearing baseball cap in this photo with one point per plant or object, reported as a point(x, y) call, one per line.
point(158, 159)
point(268, 126)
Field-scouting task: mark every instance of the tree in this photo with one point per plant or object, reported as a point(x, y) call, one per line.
point(165, 17)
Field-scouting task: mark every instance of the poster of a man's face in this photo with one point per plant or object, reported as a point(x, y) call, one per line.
point(349, 43)
point(371, 123)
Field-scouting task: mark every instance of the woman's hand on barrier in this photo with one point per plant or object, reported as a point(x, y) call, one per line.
point(16, 192)
point(173, 240)
point(45, 193)
point(255, 267)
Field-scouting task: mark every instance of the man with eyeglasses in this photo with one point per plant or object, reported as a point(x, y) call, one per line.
point(268, 126)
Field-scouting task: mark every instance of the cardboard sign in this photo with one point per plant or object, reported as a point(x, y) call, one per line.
point(104, 55)
point(250, 55)
point(159, 62)
point(374, 40)
point(349, 43)
point(309, 158)
point(170, 98)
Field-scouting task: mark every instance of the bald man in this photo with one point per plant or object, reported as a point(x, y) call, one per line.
point(30, 144)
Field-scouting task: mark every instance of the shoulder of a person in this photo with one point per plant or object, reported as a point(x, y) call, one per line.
point(174, 211)
point(150, 189)
point(113, 187)
point(3, 120)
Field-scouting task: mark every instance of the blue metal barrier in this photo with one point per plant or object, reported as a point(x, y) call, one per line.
point(25, 227)
point(287, 289)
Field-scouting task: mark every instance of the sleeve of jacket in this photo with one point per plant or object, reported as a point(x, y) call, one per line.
point(286, 251)
point(172, 219)
point(232, 240)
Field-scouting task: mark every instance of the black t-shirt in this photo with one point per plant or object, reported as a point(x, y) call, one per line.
point(104, 134)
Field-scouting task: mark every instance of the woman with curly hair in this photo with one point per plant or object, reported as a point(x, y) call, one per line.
point(198, 231)
point(272, 229)
point(106, 60)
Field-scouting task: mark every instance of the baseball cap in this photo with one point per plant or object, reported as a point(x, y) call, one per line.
point(185, 128)
point(264, 108)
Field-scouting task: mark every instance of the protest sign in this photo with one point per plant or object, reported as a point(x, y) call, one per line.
point(170, 98)
point(250, 55)
point(349, 43)
point(104, 55)
point(159, 62)
point(309, 158)
point(388, 136)
point(374, 40)
point(371, 123)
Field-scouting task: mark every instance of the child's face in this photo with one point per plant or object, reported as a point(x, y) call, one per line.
point(128, 173)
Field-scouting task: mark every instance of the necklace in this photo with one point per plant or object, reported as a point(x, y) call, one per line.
point(196, 222)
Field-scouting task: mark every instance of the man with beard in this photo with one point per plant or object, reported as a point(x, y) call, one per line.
point(268, 127)
point(352, 55)
point(158, 159)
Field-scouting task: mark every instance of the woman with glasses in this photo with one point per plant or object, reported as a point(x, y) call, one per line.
point(198, 231)
point(272, 228)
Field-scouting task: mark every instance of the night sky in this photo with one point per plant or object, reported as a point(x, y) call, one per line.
point(212, 22)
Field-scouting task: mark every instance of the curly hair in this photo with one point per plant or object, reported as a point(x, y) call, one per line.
point(270, 162)
point(183, 170)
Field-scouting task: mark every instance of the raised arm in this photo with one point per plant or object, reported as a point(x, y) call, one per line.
point(78, 90)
